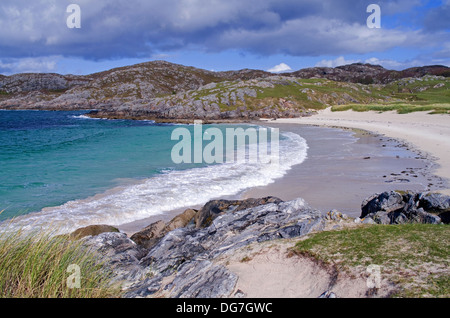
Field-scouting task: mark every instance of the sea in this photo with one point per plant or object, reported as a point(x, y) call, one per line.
point(62, 170)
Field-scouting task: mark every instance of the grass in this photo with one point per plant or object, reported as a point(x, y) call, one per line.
point(401, 108)
point(415, 257)
point(45, 266)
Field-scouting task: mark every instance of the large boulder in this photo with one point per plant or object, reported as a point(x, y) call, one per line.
point(151, 234)
point(386, 202)
point(407, 207)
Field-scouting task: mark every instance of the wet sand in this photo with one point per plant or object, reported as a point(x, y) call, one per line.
point(346, 166)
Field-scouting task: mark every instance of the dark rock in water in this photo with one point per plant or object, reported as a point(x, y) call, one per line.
point(410, 207)
point(183, 264)
point(91, 230)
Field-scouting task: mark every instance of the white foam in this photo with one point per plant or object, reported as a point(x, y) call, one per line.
point(83, 117)
point(168, 191)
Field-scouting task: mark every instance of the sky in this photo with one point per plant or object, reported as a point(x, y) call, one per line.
point(220, 35)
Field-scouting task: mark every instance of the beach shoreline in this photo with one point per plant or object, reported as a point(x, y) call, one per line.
point(344, 166)
point(425, 133)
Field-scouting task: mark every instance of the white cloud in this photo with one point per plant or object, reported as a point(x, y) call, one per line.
point(336, 62)
point(282, 67)
point(29, 65)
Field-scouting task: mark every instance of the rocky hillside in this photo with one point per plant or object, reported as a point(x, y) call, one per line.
point(164, 91)
point(369, 74)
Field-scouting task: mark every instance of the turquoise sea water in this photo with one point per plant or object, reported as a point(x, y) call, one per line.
point(66, 169)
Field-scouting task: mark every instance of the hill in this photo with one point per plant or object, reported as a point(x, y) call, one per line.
point(165, 91)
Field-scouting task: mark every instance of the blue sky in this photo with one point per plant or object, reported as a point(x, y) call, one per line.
point(221, 35)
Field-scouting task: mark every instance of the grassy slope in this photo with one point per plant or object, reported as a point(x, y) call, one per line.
point(39, 267)
point(410, 97)
point(412, 256)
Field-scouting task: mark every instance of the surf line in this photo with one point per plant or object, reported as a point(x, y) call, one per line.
point(256, 150)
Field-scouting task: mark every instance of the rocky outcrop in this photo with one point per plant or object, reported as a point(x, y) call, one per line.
point(183, 263)
point(395, 208)
point(185, 257)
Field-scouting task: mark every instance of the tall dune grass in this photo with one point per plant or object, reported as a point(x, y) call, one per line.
point(39, 266)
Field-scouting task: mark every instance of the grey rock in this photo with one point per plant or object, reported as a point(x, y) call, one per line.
point(187, 255)
point(202, 279)
point(368, 221)
point(120, 254)
point(386, 202)
point(434, 202)
point(214, 208)
point(410, 207)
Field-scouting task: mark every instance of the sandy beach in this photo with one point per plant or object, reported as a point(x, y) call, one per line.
point(346, 165)
point(426, 132)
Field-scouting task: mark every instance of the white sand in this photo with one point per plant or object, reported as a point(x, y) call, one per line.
point(269, 270)
point(425, 132)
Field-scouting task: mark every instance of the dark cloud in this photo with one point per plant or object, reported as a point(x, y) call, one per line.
point(139, 28)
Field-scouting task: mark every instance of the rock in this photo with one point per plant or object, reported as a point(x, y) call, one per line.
point(202, 279)
point(367, 221)
point(445, 217)
point(117, 252)
point(150, 235)
point(214, 208)
point(91, 230)
point(183, 261)
point(397, 208)
point(424, 217)
point(181, 220)
point(386, 202)
point(436, 202)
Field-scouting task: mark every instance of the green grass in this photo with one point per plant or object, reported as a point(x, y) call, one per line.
point(38, 266)
point(413, 256)
point(401, 108)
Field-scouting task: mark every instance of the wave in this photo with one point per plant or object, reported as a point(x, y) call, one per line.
point(168, 191)
point(85, 117)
